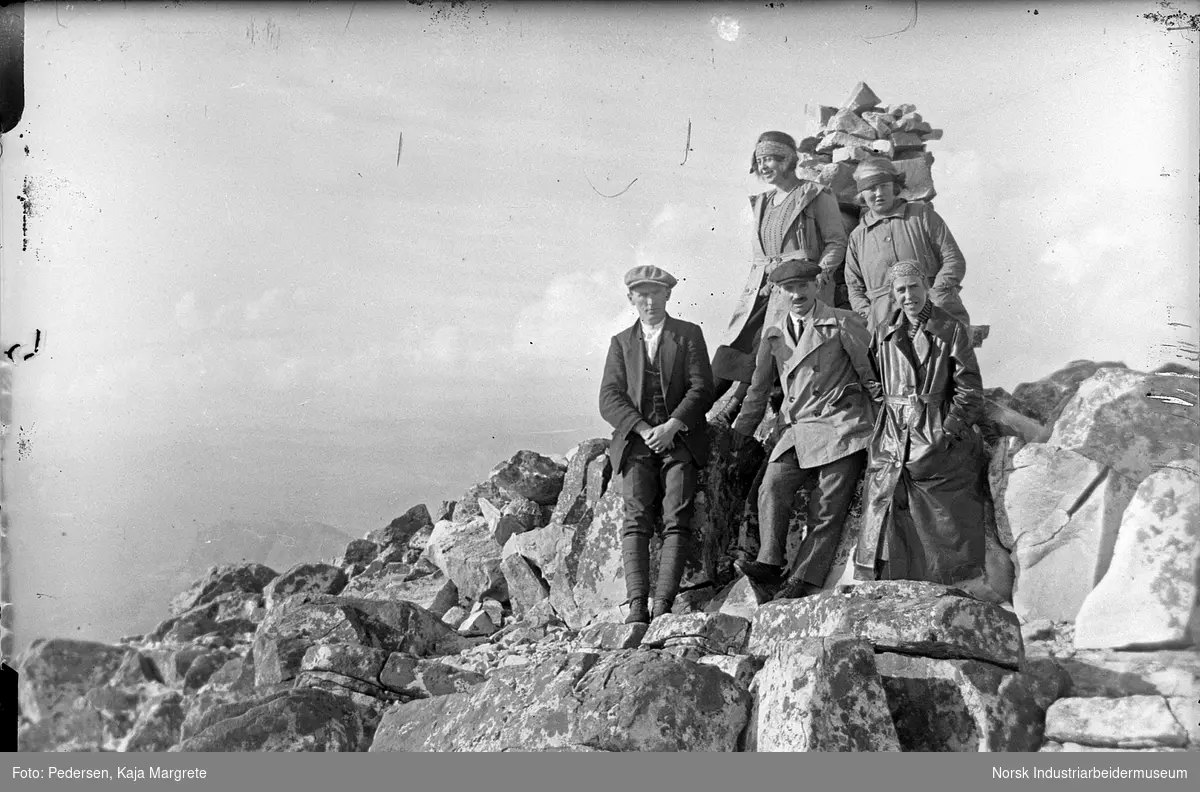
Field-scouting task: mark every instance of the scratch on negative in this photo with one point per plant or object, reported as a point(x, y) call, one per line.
point(614, 195)
point(399, 148)
point(688, 145)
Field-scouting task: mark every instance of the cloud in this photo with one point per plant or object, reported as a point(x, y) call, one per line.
point(1091, 256)
point(574, 318)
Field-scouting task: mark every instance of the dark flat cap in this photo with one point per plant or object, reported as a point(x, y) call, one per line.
point(795, 270)
point(649, 274)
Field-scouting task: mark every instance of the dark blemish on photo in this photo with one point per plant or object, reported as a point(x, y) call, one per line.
point(399, 148)
point(688, 145)
point(27, 196)
point(349, 17)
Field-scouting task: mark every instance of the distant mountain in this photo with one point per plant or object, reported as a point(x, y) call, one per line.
point(279, 544)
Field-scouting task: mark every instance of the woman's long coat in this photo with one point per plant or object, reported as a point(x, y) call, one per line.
point(926, 455)
point(815, 232)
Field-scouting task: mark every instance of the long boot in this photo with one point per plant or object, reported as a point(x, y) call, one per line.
point(733, 406)
point(671, 563)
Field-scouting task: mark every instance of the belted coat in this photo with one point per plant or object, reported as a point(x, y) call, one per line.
point(827, 411)
point(925, 442)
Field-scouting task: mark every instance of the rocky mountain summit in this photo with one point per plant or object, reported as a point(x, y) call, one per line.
point(494, 623)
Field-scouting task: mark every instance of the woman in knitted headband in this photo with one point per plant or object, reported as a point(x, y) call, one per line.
point(796, 219)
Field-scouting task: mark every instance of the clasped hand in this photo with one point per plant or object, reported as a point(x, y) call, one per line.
point(660, 438)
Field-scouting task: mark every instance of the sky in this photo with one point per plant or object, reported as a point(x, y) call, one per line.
point(327, 261)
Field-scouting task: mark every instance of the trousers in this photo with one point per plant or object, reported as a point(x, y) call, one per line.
point(651, 481)
point(828, 505)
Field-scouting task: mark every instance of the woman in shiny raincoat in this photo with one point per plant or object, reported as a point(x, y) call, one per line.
point(924, 512)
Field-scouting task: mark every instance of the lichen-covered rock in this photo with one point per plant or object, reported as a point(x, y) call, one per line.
point(1111, 674)
point(820, 694)
point(902, 616)
point(300, 622)
point(400, 530)
point(713, 633)
point(466, 508)
point(435, 593)
point(1131, 422)
point(315, 578)
point(1130, 722)
point(741, 668)
point(1063, 511)
point(1045, 399)
point(611, 636)
point(222, 579)
point(415, 677)
point(530, 475)
point(1150, 595)
point(851, 123)
point(301, 719)
point(157, 726)
point(518, 516)
point(467, 554)
point(964, 705)
point(579, 490)
point(356, 556)
point(347, 666)
point(637, 700)
point(54, 672)
point(739, 598)
point(525, 586)
point(583, 564)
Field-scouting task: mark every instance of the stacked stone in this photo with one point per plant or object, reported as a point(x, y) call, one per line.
point(862, 128)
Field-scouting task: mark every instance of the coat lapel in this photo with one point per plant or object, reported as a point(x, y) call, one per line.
point(805, 195)
point(819, 328)
point(894, 330)
point(759, 204)
point(668, 345)
point(635, 367)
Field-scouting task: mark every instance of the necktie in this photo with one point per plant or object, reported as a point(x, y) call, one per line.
point(797, 328)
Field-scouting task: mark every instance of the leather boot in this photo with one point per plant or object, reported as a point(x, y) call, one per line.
point(638, 612)
point(660, 607)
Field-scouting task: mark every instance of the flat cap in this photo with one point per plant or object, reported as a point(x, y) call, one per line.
point(795, 270)
point(649, 274)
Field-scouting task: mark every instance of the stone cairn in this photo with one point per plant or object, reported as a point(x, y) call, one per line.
point(862, 128)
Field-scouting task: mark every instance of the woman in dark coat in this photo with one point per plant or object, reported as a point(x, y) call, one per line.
point(924, 511)
point(796, 219)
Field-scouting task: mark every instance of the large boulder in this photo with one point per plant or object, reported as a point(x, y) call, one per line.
point(901, 616)
point(525, 585)
point(1149, 596)
point(158, 724)
point(315, 578)
point(468, 555)
point(583, 563)
point(302, 621)
point(518, 516)
point(55, 672)
point(1130, 722)
point(301, 719)
point(1063, 511)
point(1112, 674)
point(712, 633)
point(820, 694)
point(434, 592)
point(583, 482)
point(637, 700)
point(399, 531)
point(964, 705)
point(222, 579)
point(1045, 399)
point(1131, 422)
point(530, 475)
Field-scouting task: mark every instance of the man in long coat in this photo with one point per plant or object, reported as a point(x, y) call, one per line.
point(656, 390)
point(924, 511)
point(820, 355)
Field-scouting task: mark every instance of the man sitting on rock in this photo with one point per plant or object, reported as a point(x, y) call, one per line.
point(657, 388)
point(892, 230)
point(820, 355)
